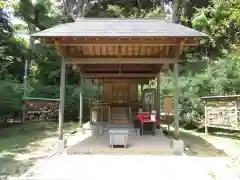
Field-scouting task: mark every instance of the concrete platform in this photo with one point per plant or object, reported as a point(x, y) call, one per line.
point(146, 144)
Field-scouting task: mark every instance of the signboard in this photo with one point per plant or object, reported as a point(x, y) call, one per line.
point(153, 117)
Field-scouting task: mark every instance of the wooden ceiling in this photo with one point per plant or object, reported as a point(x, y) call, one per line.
point(120, 47)
point(121, 57)
point(119, 51)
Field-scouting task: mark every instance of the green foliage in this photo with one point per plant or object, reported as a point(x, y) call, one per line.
point(220, 77)
point(43, 14)
point(221, 20)
point(129, 8)
point(11, 97)
point(212, 68)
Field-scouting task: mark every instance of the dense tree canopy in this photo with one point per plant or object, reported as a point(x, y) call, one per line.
point(211, 68)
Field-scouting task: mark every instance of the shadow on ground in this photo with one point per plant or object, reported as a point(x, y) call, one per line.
point(18, 142)
point(224, 133)
point(197, 146)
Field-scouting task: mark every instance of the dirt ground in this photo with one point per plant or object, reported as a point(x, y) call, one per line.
point(218, 143)
point(24, 145)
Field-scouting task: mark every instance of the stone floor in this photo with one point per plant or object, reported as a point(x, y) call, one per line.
point(75, 167)
point(146, 144)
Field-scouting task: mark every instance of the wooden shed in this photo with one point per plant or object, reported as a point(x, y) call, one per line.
point(222, 112)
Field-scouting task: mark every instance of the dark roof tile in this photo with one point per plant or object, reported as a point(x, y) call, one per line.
point(119, 27)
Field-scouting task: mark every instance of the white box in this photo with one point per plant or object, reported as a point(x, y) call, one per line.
point(118, 137)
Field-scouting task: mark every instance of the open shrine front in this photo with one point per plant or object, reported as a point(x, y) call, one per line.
point(122, 96)
point(119, 100)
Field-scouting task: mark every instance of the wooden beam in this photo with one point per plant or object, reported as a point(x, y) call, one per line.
point(133, 80)
point(141, 69)
point(140, 60)
point(120, 75)
point(121, 41)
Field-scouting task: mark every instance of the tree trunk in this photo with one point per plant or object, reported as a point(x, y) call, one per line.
point(175, 6)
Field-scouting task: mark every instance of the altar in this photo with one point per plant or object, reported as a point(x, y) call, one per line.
point(118, 102)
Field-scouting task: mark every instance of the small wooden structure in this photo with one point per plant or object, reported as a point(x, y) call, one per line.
point(40, 108)
point(222, 112)
point(121, 54)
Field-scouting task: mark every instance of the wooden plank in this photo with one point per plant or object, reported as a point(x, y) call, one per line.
point(133, 92)
point(168, 105)
point(120, 75)
point(116, 60)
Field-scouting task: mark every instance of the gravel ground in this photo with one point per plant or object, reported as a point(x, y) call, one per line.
point(71, 167)
point(236, 164)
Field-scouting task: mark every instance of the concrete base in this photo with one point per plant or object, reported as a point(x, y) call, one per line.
point(177, 145)
point(60, 145)
point(81, 130)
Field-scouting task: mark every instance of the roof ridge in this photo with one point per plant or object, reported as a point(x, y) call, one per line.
point(119, 19)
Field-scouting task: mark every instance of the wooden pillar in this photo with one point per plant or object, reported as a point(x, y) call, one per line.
point(99, 91)
point(176, 101)
point(158, 96)
point(142, 93)
point(81, 101)
point(206, 123)
point(62, 102)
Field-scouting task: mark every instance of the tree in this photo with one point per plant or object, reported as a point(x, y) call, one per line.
point(74, 9)
point(221, 20)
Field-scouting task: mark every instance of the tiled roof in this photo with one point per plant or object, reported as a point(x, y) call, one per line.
point(88, 27)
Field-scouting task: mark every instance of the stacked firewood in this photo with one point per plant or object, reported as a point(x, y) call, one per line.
point(41, 109)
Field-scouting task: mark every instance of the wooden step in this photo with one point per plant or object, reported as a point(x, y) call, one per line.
point(119, 121)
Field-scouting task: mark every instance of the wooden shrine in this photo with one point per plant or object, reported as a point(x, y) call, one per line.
point(122, 53)
point(222, 112)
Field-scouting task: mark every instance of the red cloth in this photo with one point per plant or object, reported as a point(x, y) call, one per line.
point(145, 117)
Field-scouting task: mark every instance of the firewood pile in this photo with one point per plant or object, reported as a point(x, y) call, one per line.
point(41, 109)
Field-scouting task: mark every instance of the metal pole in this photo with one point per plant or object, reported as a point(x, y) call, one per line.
point(81, 101)
point(25, 78)
point(62, 101)
point(176, 102)
point(31, 46)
